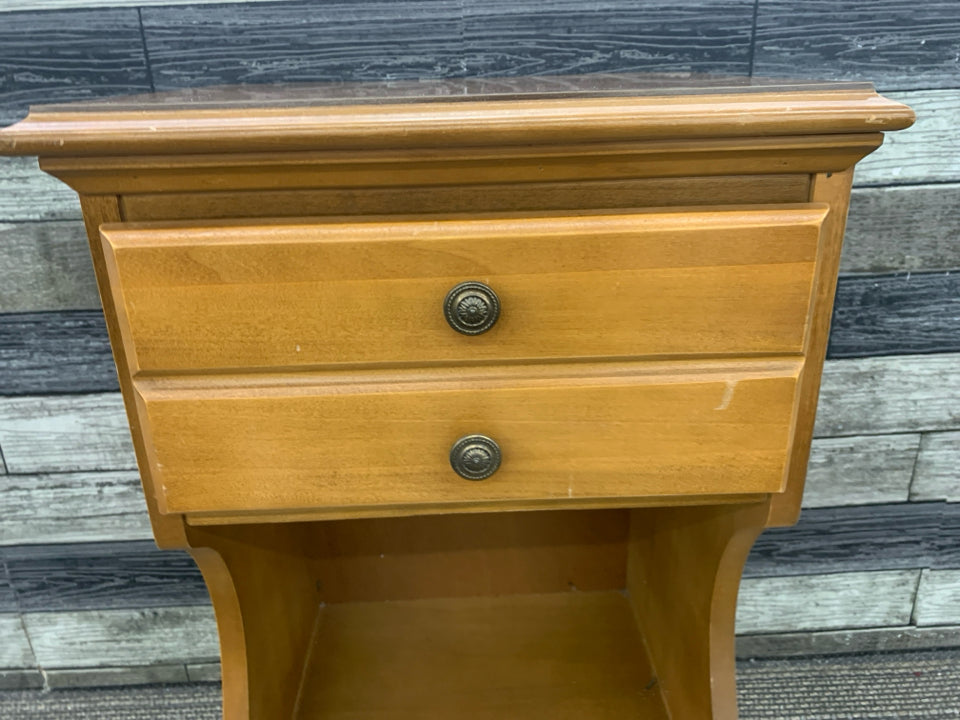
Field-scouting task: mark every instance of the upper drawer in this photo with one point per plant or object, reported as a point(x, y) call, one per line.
point(717, 281)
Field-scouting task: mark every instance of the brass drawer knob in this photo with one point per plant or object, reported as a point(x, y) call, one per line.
point(471, 308)
point(475, 457)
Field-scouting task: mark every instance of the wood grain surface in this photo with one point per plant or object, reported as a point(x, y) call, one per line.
point(68, 507)
point(63, 56)
point(403, 659)
point(27, 194)
point(8, 598)
point(889, 394)
point(570, 287)
point(15, 649)
point(57, 433)
point(568, 434)
point(64, 352)
point(908, 227)
point(23, 5)
point(938, 598)
point(93, 638)
point(868, 537)
point(891, 44)
point(937, 474)
point(901, 314)
point(823, 602)
point(846, 642)
point(100, 576)
point(566, 37)
point(860, 470)
point(45, 266)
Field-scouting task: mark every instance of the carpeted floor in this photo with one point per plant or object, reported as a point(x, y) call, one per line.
point(913, 686)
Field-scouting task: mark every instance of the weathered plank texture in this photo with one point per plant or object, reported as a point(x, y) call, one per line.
point(380, 40)
point(302, 42)
point(938, 598)
point(903, 228)
point(8, 599)
point(26, 193)
point(14, 648)
point(927, 152)
point(63, 56)
point(836, 642)
point(871, 396)
point(504, 37)
point(63, 678)
point(12, 5)
point(860, 470)
point(21, 679)
point(72, 507)
point(101, 576)
point(901, 314)
point(65, 433)
point(894, 44)
point(836, 540)
point(95, 638)
point(824, 602)
point(45, 266)
point(61, 352)
point(937, 473)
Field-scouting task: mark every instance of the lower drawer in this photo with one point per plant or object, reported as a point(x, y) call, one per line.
point(567, 434)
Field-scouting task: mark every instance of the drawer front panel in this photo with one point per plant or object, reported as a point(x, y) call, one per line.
point(719, 282)
point(629, 432)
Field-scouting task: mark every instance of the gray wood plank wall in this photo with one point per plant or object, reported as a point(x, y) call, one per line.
point(874, 562)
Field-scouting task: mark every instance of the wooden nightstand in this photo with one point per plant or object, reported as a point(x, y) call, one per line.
point(469, 399)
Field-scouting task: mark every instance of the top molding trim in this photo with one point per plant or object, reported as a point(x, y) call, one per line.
point(290, 119)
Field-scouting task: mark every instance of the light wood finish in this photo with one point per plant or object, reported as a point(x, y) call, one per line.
point(562, 655)
point(833, 189)
point(683, 572)
point(125, 129)
point(622, 433)
point(685, 283)
point(97, 210)
point(689, 436)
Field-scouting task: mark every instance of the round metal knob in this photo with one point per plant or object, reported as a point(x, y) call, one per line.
point(475, 457)
point(471, 308)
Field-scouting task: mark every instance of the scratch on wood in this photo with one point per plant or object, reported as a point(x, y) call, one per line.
point(727, 395)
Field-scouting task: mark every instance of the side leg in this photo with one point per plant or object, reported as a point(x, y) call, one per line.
point(264, 593)
point(683, 574)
